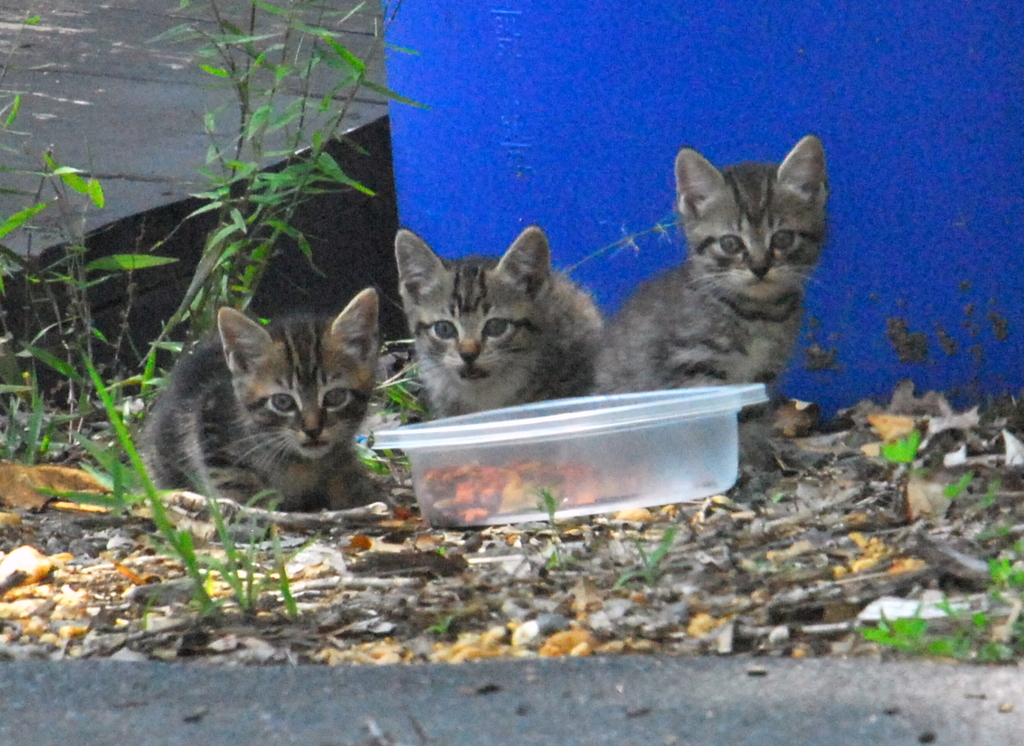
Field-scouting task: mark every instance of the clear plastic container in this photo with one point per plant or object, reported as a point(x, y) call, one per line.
point(593, 454)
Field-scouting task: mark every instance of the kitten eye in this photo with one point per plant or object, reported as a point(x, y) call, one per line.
point(731, 245)
point(282, 403)
point(445, 330)
point(496, 327)
point(336, 398)
point(782, 240)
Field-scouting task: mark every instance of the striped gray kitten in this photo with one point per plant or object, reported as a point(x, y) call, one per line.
point(496, 332)
point(272, 408)
point(731, 312)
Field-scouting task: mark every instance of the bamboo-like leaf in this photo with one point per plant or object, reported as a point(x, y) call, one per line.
point(213, 205)
point(357, 64)
point(215, 71)
point(383, 90)
point(330, 168)
point(181, 30)
point(239, 38)
point(223, 233)
point(269, 8)
point(289, 115)
point(127, 262)
point(238, 220)
point(54, 362)
point(19, 218)
point(403, 50)
point(96, 193)
point(15, 106)
point(259, 119)
point(70, 177)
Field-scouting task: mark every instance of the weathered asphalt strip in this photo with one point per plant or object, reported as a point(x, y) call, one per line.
point(619, 700)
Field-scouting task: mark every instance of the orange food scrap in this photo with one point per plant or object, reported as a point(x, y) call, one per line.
point(702, 623)
point(475, 493)
point(907, 564)
point(359, 543)
point(26, 559)
point(864, 563)
point(635, 515)
point(70, 631)
point(574, 642)
point(473, 646)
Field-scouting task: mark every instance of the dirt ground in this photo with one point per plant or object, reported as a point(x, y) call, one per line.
point(838, 545)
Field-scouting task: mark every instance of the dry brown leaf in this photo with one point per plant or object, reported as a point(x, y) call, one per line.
point(891, 427)
point(1014, 449)
point(20, 485)
point(926, 498)
point(427, 543)
point(10, 519)
point(795, 418)
point(795, 550)
point(872, 450)
point(586, 599)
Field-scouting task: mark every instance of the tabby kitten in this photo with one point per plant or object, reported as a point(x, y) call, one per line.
point(271, 408)
point(496, 332)
point(731, 312)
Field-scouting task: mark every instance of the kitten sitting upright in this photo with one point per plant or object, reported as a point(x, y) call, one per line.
point(271, 408)
point(493, 333)
point(731, 312)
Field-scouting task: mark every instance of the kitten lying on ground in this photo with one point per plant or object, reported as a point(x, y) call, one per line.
point(496, 332)
point(731, 312)
point(273, 408)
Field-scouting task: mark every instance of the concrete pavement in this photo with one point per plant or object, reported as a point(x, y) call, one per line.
point(585, 701)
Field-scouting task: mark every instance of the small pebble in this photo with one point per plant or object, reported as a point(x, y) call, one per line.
point(526, 632)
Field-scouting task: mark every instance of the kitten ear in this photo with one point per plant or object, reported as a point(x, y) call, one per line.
point(697, 181)
point(245, 342)
point(419, 268)
point(355, 328)
point(803, 170)
point(528, 260)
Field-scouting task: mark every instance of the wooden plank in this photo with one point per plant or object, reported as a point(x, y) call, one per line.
point(99, 94)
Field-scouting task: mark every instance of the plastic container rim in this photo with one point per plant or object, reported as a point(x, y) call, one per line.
point(613, 411)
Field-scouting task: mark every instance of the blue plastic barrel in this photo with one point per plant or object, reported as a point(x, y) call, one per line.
point(570, 114)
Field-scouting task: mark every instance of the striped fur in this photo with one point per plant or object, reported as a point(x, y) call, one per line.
point(274, 408)
point(731, 312)
point(496, 332)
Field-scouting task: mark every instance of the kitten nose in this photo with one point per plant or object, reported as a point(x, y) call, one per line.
point(312, 428)
point(469, 350)
point(760, 268)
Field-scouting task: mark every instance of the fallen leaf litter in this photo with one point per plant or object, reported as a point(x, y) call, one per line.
point(791, 562)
